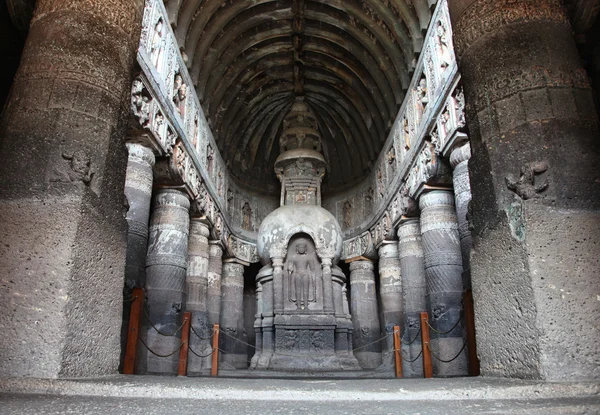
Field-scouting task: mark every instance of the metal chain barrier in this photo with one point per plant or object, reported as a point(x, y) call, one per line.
point(199, 355)
point(130, 299)
point(158, 331)
point(449, 331)
point(447, 361)
point(413, 360)
point(368, 344)
point(161, 355)
point(413, 340)
point(201, 337)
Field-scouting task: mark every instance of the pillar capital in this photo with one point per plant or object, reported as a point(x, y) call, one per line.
point(388, 250)
point(277, 261)
point(172, 197)
point(436, 198)
point(141, 153)
point(199, 227)
point(365, 264)
point(460, 154)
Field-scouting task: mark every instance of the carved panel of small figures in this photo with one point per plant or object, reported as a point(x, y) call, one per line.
point(158, 45)
point(444, 45)
point(304, 341)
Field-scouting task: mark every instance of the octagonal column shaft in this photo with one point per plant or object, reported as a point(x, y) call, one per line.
point(443, 270)
point(196, 294)
point(138, 191)
point(327, 285)
point(166, 266)
point(232, 322)
point(533, 126)
point(365, 314)
point(268, 330)
point(258, 335)
point(213, 291)
point(390, 292)
point(62, 136)
point(412, 266)
point(459, 159)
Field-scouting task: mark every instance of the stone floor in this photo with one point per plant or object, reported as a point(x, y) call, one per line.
point(164, 395)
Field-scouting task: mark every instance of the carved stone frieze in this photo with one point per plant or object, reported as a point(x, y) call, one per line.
point(486, 16)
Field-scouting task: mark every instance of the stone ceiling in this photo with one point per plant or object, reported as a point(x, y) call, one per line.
point(351, 59)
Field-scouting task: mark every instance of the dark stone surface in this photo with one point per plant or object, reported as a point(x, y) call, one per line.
point(61, 220)
point(534, 178)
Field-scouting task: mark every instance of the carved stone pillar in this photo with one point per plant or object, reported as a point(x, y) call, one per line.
point(215, 270)
point(166, 266)
point(412, 266)
point(365, 314)
point(62, 225)
point(443, 270)
point(232, 321)
point(459, 159)
point(138, 191)
point(258, 335)
point(390, 293)
point(278, 285)
point(534, 135)
point(327, 285)
point(196, 294)
point(268, 330)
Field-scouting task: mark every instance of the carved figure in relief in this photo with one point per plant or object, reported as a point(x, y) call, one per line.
point(79, 168)
point(421, 91)
point(210, 156)
point(525, 186)
point(318, 342)
point(179, 94)
point(290, 339)
point(347, 214)
point(140, 103)
point(443, 43)
point(444, 119)
point(247, 216)
point(220, 183)
point(391, 158)
point(459, 99)
point(301, 277)
point(406, 133)
point(380, 184)
point(158, 44)
point(195, 137)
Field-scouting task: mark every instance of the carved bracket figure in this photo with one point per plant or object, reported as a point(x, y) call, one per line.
point(525, 187)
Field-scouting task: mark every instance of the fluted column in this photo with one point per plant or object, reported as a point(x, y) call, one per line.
point(213, 292)
point(166, 266)
point(390, 293)
point(196, 294)
point(365, 314)
point(443, 270)
point(459, 159)
point(62, 136)
point(232, 321)
point(412, 265)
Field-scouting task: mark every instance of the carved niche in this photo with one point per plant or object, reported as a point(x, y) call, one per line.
point(302, 275)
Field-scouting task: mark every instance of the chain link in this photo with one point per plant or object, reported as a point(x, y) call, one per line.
point(445, 332)
point(199, 336)
point(413, 360)
point(413, 340)
point(447, 361)
point(199, 355)
point(161, 355)
point(158, 331)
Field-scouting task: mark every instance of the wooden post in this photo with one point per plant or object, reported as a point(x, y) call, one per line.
point(215, 355)
point(134, 331)
point(474, 369)
point(397, 352)
point(185, 344)
point(425, 342)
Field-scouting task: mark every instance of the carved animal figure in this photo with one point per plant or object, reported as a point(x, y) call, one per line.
point(525, 186)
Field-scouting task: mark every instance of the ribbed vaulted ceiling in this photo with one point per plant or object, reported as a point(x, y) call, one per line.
point(249, 59)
